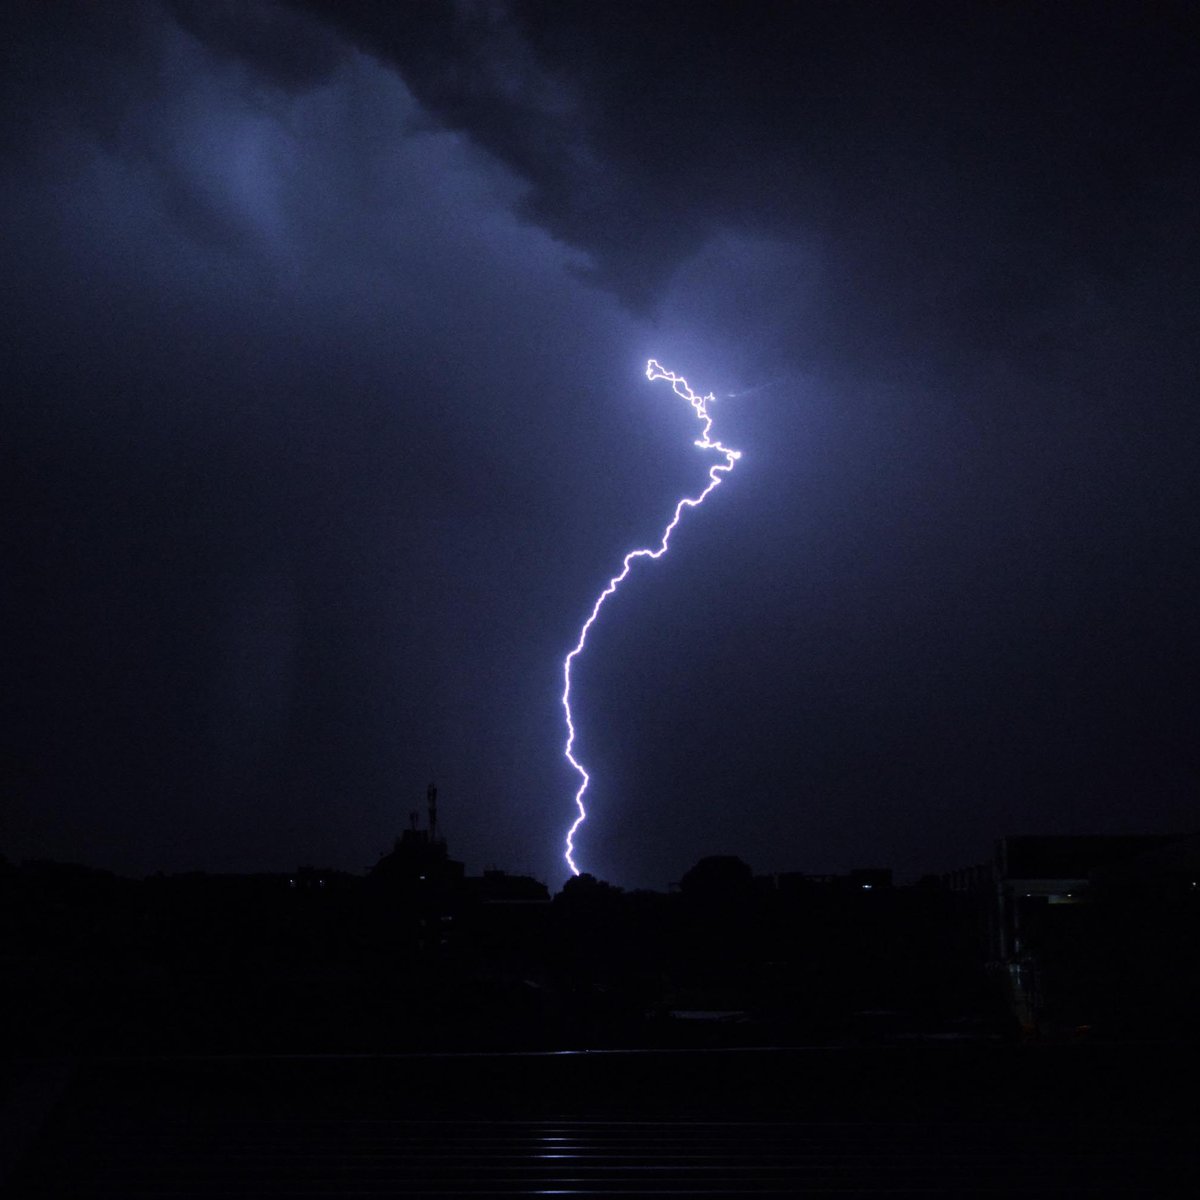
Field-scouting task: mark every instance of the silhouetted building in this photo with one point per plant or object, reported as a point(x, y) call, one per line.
point(1068, 921)
point(1034, 873)
point(419, 862)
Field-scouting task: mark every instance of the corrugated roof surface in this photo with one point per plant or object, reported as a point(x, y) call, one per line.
point(692, 1124)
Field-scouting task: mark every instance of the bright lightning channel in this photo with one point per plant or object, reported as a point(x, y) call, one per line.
point(716, 473)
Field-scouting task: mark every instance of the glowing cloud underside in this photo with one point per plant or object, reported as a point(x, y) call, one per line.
point(679, 386)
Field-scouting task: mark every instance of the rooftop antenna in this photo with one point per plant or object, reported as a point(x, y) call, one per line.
point(431, 796)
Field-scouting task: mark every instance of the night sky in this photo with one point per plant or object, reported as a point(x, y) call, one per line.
point(323, 336)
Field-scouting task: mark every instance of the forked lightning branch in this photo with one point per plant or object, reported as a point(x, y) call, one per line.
point(716, 473)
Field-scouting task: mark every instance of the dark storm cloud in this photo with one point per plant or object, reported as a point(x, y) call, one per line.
point(271, 449)
point(963, 238)
point(327, 425)
point(954, 142)
point(476, 68)
point(284, 48)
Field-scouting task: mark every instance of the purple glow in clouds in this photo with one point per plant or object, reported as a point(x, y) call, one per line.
point(679, 386)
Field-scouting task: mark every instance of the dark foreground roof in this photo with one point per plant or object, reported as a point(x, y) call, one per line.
point(1000, 1121)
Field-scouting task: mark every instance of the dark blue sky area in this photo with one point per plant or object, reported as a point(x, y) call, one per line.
point(323, 340)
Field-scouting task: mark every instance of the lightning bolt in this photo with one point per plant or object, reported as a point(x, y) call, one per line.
point(716, 473)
